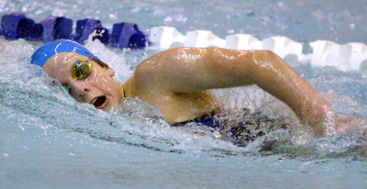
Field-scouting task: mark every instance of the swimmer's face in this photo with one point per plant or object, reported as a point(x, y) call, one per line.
point(96, 86)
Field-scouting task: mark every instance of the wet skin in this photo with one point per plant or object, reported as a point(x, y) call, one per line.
point(179, 81)
point(99, 88)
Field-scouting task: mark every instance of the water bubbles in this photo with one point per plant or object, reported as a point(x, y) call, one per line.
point(19, 49)
point(216, 134)
point(137, 121)
point(231, 31)
point(136, 9)
point(112, 17)
point(59, 12)
point(280, 4)
point(115, 60)
point(168, 19)
point(181, 18)
point(352, 25)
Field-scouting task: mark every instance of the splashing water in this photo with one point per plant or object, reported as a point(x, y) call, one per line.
point(49, 137)
point(25, 88)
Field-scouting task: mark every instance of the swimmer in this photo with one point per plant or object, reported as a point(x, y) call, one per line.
point(179, 81)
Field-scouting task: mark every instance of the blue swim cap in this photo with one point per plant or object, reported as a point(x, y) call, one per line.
point(49, 49)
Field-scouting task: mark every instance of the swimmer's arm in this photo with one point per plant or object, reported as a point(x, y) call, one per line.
point(190, 70)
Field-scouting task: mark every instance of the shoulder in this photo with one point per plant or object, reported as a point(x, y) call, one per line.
point(163, 60)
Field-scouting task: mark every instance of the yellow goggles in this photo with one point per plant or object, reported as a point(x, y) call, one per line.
point(82, 69)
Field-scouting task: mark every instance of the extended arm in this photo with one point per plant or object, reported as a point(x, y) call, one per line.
point(190, 70)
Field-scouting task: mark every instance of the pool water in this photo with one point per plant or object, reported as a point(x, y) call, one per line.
point(47, 139)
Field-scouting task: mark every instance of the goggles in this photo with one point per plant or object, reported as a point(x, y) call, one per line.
point(82, 69)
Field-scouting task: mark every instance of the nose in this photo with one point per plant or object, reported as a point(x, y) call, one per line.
point(80, 90)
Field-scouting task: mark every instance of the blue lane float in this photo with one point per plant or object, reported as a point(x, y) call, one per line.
point(87, 26)
point(128, 35)
point(124, 35)
point(9, 25)
point(56, 28)
point(17, 25)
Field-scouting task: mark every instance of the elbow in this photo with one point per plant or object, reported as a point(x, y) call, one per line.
point(267, 59)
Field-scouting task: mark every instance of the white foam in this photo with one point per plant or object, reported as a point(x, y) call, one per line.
point(113, 59)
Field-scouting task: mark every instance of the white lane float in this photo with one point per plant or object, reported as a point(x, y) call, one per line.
point(282, 46)
point(243, 42)
point(203, 38)
point(165, 37)
point(358, 57)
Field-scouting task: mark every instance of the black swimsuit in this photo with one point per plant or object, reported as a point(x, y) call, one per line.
point(243, 127)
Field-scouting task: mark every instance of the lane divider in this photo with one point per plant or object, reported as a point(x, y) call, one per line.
point(345, 57)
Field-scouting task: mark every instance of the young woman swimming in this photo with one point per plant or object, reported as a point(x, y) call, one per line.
point(179, 81)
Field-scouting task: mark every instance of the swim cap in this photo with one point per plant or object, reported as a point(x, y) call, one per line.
point(49, 49)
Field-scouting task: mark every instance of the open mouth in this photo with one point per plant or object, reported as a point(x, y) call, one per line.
point(99, 103)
